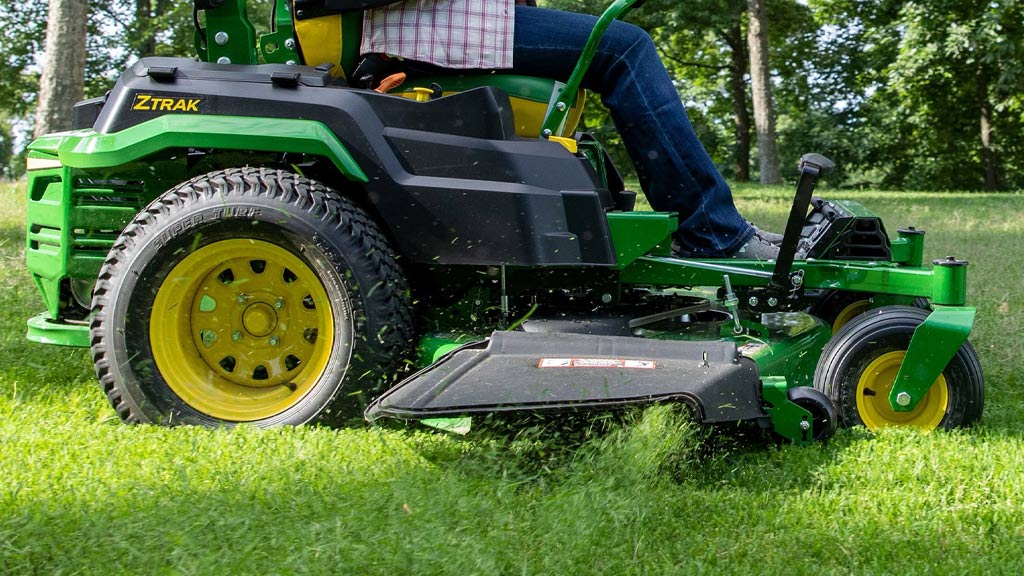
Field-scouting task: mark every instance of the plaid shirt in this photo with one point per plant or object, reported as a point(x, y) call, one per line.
point(447, 33)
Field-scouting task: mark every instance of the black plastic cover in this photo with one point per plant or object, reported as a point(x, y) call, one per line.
point(557, 372)
point(448, 178)
point(833, 232)
point(84, 113)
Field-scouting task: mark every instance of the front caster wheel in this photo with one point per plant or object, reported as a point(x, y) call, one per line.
point(858, 368)
point(823, 413)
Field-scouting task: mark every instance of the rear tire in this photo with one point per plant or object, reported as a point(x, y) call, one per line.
point(248, 295)
point(858, 366)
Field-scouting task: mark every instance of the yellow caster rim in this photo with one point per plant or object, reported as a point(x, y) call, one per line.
point(242, 330)
point(873, 397)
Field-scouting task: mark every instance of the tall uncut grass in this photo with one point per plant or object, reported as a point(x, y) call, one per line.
point(649, 492)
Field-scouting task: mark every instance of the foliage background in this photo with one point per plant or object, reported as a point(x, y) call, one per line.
point(893, 90)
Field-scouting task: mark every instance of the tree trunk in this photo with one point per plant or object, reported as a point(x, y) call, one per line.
point(143, 24)
point(760, 83)
point(989, 161)
point(740, 112)
point(63, 80)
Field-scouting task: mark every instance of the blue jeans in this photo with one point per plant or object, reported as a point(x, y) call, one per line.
point(676, 173)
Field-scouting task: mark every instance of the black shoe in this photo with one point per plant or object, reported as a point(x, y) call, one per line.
point(771, 237)
point(757, 248)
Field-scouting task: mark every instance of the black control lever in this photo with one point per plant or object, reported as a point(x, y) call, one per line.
point(812, 166)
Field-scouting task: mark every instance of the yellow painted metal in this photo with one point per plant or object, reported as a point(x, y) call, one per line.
point(851, 311)
point(242, 330)
point(873, 397)
point(321, 40)
point(569, 143)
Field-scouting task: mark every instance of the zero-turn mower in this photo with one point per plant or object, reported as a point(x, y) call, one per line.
point(241, 242)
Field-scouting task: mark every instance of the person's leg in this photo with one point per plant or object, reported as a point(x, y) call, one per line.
point(676, 173)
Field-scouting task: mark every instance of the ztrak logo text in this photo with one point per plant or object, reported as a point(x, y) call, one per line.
point(150, 103)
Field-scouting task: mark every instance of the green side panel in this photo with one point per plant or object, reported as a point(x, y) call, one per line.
point(635, 234)
point(791, 352)
point(88, 149)
point(47, 235)
point(44, 330)
point(931, 348)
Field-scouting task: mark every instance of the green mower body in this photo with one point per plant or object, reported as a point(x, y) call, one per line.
point(261, 243)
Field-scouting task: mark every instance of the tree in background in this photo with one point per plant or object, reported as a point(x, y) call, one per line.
point(926, 94)
point(761, 88)
point(63, 80)
point(929, 91)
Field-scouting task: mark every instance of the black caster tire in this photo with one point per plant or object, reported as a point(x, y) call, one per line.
point(823, 413)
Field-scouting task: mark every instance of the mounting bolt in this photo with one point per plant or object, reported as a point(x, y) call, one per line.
point(561, 106)
point(753, 301)
point(221, 38)
point(279, 303)
point(290, 62)
point(546, 133)
point(223, 60)
point(773, 301)
point(274, 340)
point(903, 399)
point(805, 425)
point(290, 44)
point(606, 298)
point(236, 335)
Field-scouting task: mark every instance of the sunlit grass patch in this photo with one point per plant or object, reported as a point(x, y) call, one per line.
point(647, 491)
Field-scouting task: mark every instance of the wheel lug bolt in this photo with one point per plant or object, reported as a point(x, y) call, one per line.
point(903, 399)
point(279, 303)
point(242, 298)
point(274, 340)
point(236, 335)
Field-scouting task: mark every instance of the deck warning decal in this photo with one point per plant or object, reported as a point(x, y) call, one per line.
point(596, 363)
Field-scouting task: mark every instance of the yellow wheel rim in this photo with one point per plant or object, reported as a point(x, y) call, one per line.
point(241, 330)
point(873, 397)
point(851, 311)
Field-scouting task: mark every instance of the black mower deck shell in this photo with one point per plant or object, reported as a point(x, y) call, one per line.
point(559, 372)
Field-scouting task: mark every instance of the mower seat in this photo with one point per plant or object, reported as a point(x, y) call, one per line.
point(326, 36)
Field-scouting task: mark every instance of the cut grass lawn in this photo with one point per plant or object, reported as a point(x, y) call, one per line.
point(81, 493)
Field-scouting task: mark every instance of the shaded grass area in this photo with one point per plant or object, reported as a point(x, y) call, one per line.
point(647, 493)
